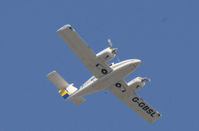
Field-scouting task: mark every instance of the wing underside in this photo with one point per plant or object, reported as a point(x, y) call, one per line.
point(135, 102)
point(83, 52)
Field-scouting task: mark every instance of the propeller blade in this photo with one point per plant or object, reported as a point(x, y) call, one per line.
point(110, 43)
point(118, 59)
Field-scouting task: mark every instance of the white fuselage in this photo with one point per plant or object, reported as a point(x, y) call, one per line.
point(120, 70)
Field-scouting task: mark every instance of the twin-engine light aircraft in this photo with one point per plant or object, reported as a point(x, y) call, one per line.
point(105, 76)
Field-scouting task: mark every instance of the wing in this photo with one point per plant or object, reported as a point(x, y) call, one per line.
point(129, 97)
point(83, 52)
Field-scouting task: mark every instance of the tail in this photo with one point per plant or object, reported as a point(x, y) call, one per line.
point(65, 89)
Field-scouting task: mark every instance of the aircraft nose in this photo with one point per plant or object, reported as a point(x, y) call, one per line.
point(133, 63)
point(127, 66)
point(136, 62)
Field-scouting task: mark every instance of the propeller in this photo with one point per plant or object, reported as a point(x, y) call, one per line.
point(114, 50)
point(110, 43)
point(118, 59)
point(111, 46)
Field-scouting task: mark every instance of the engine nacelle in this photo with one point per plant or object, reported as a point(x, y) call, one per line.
point(106, 54)
point(137, 83)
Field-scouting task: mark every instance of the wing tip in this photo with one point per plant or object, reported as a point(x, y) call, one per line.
point(65, 27)
point(51, 73)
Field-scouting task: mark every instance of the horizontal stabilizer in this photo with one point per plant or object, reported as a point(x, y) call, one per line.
point(78, 100)
point(57, 80)
point(65, 89)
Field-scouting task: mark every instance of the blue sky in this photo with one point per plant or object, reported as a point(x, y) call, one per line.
point(163, 34)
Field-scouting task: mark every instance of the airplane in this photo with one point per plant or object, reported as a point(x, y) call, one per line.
point(105, 76)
